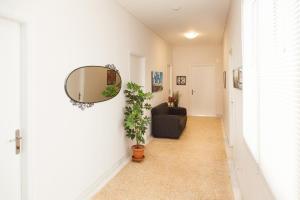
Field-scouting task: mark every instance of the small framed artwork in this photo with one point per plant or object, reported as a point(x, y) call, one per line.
point(111, 77)
point(224, 80)
point(241, 78)
point(238, 78)
point(157, 81)
point(181, 80)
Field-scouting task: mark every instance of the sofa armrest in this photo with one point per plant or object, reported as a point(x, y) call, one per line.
point(177, 111)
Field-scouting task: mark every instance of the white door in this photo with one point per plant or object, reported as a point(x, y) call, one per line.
point(203, 91)
point(10, 170)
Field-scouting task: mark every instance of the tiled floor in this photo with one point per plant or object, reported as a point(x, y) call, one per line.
point(191, 168)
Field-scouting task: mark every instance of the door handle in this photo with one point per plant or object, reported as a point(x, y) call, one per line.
point(17, 140)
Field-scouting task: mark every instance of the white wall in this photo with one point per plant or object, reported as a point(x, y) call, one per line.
point(70, 151)
point(137, 69)
point(251, 181)
point(186, 56)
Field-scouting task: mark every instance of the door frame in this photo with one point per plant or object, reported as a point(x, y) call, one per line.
point(231, 104)
point(170, 77)
point(190, 86)
point(24, 155)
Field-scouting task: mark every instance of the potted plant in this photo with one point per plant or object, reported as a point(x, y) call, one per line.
point(110, 91)
point(135, 121)
point(171, 101)
point(176, 99)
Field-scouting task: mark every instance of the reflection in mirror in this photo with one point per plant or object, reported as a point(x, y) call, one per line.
point(93, 84)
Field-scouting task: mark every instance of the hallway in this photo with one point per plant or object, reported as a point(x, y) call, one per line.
point(193, 167)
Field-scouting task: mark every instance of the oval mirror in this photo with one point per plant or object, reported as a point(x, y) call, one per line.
point(93, 84)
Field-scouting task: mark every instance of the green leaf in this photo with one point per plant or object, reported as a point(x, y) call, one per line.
point(135, 121)
point(110, 91)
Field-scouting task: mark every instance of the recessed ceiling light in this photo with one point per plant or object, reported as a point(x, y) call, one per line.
point(191, 35)
point(176, 8)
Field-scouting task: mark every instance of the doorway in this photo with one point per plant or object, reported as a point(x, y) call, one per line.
point(10, 115)
point(203, 91)
point(137, 69)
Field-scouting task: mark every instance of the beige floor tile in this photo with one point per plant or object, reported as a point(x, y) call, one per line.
point(191, 168)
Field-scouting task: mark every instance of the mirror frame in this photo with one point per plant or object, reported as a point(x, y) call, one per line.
point(83, 105)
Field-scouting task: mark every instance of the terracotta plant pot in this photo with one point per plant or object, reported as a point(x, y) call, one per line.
point(138, 153)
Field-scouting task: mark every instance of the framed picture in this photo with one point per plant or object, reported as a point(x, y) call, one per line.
point(157, 81)
point(238, 78)
point(181, 80)
point(224, 80)
point(111, 77)
point(241, 78)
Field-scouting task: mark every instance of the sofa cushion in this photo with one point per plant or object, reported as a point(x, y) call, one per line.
point(177, 111)
point(161, 109)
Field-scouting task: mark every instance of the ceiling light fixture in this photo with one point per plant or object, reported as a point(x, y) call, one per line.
point(176, 8)
point(191, 35)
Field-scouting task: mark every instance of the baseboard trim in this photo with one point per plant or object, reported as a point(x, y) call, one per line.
point(149, 139)
point(237, 195)
point(101, 181)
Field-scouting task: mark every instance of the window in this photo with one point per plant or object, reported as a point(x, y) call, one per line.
point(271, 50)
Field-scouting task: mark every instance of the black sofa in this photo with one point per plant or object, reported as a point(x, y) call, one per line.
point(168, 122)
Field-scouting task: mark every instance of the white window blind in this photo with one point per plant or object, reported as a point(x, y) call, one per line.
point(275, 143)
point(250, 93)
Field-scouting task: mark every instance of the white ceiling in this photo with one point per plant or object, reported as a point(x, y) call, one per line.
point(208, 17)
